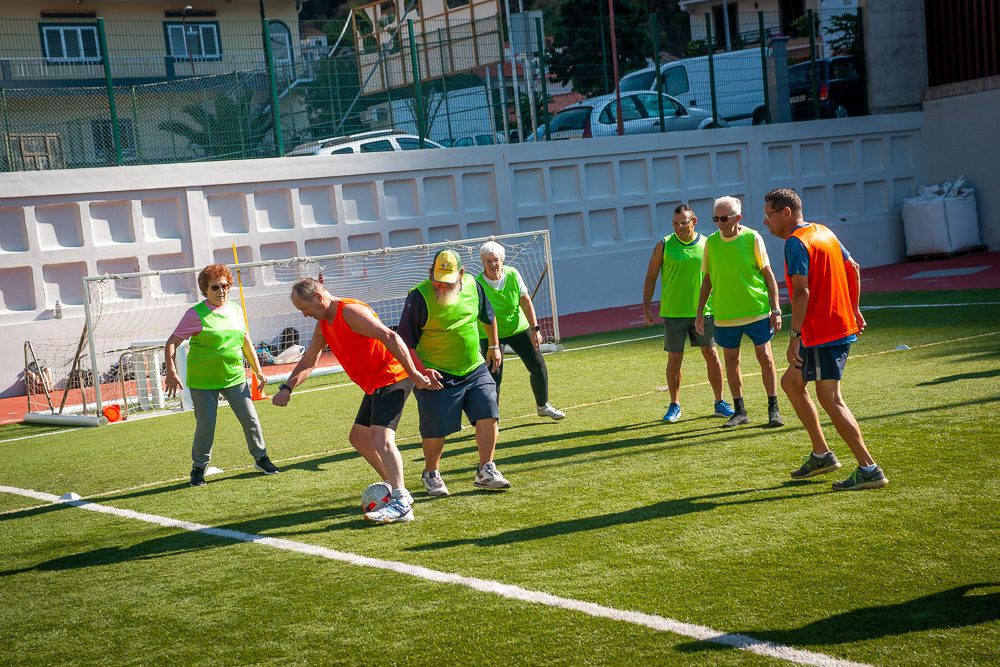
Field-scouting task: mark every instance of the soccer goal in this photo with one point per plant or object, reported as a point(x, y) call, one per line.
point(115, 367)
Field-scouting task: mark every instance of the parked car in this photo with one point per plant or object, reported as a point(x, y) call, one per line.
point(739, 83)
point(597, 116)
point(378, 141)
point(841, 89)
point(485, 139)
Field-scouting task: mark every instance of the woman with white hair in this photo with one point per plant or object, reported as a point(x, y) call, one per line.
point(517, 325)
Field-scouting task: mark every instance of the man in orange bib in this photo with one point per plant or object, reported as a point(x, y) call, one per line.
point(824, 283)
point(377, 360)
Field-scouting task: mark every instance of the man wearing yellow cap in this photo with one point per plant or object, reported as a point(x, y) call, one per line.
point(438, 324)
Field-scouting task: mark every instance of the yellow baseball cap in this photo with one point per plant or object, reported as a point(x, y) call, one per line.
point(447, 266)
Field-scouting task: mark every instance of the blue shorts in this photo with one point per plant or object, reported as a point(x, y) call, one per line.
point(758, 332)
point(824, 363)
point(441, 409)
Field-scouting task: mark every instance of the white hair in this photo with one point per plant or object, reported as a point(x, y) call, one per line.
point(732, 203)
point(492, 248)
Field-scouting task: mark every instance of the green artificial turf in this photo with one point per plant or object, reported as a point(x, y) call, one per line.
point(612, 506)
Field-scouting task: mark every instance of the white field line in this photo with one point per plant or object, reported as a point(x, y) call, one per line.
point(41, 435)
point(661, 623)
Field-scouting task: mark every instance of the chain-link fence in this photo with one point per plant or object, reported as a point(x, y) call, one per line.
point(97, 93)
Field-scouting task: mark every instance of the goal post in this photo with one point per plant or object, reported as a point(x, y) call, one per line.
point(128, 318)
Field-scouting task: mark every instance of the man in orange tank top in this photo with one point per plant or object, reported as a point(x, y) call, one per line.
point(824, 283)
point(377, 360)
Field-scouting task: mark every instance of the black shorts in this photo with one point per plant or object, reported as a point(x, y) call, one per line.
point(384, 406)
point(824, 363)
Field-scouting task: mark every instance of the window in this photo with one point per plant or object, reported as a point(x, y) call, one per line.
point(342, 151)
point(70, 43)
point(281, 42)
point(630, 111)
point(677, 81)
point(199, 41)
point(638, 81)
point(408, 144)
point(104, 141)
point(789, 10)
point(376, 146)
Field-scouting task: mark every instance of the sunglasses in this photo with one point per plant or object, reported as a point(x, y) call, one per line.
point(216, 288)
point(724, 218)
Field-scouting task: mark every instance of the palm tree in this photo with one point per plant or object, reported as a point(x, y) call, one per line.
point(230, 129)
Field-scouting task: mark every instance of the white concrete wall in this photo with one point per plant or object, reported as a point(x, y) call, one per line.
point(604, 201)
point(962, 138)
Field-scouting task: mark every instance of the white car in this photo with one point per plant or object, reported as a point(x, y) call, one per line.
point(379, 141)
point(597, 117)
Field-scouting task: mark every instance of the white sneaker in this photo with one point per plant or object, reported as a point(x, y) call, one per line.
point(549, 411)
point(433, 483)
point(403, 495)
point(488, 477)
point(397, 510)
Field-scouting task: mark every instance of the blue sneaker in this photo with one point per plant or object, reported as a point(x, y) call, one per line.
point(723, 409)
point(673, 413)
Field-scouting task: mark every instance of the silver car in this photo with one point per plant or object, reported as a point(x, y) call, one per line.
point(378, 141)
point(597, 117)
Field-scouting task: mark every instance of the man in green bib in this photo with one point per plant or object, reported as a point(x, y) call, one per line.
point(744, 293)
point(439, 326)
point(677, 260)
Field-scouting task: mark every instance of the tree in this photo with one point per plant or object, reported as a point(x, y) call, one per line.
point(577, 54)
point(231, 129)
point(844, 35)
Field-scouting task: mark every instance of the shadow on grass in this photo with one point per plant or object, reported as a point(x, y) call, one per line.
point(661, 510)
point(189, 541)
point(980, 375)
point(959, 607)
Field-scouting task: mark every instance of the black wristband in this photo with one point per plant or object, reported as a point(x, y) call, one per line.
point(536, 328)
point(284, 386)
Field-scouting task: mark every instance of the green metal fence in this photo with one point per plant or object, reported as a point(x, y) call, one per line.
point(83, 93)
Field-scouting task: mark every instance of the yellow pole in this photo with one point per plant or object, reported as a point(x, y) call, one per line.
point(256, 393)
point(239, 281)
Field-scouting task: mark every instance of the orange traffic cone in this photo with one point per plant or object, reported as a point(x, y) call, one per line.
point(256, 392)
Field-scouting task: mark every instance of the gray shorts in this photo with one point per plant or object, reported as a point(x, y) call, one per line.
point(441, 410)
point(678, 330)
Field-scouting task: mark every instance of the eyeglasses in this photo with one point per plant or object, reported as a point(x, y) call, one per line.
point(216, 288)
point(724, 218)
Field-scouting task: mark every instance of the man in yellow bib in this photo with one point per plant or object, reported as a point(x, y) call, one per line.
point(438, 325)
point(744, 293)
point(677, 260)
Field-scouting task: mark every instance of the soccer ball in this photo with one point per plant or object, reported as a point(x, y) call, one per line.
point(375, 496)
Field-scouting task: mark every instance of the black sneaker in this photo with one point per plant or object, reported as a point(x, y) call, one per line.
point(774, 419)
point(738, 419)
point(264, 465)
point(197, 476)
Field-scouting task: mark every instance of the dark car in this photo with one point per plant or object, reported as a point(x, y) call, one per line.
point(840, 85)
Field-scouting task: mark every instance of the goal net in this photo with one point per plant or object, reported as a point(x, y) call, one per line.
point(117, 360)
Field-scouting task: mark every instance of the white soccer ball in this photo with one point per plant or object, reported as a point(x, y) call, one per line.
point(375, 496)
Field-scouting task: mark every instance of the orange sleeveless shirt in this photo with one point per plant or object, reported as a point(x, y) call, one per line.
point(366, 360)
point(830, 314)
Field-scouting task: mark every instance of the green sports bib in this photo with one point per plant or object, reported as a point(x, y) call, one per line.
point(215, 358)
point(506, 303)
point(738, 286)
point(681, 276)
point(449, 341)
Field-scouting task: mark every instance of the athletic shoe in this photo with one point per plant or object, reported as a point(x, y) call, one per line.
point(738, 419)
point(817, 465)
point(396, 510)
point(673, 412)
point(488, 477)
point(264, 465)
point(723, 409)
point(405, 496)
point(774, 419)
point(433, 483)
point(197, 476)
point(549, 411)
point(859, 479)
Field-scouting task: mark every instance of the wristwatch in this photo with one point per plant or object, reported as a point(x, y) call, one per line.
point(792, 333)
point(536, 328)
point(284, 385)
point(776, 311)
